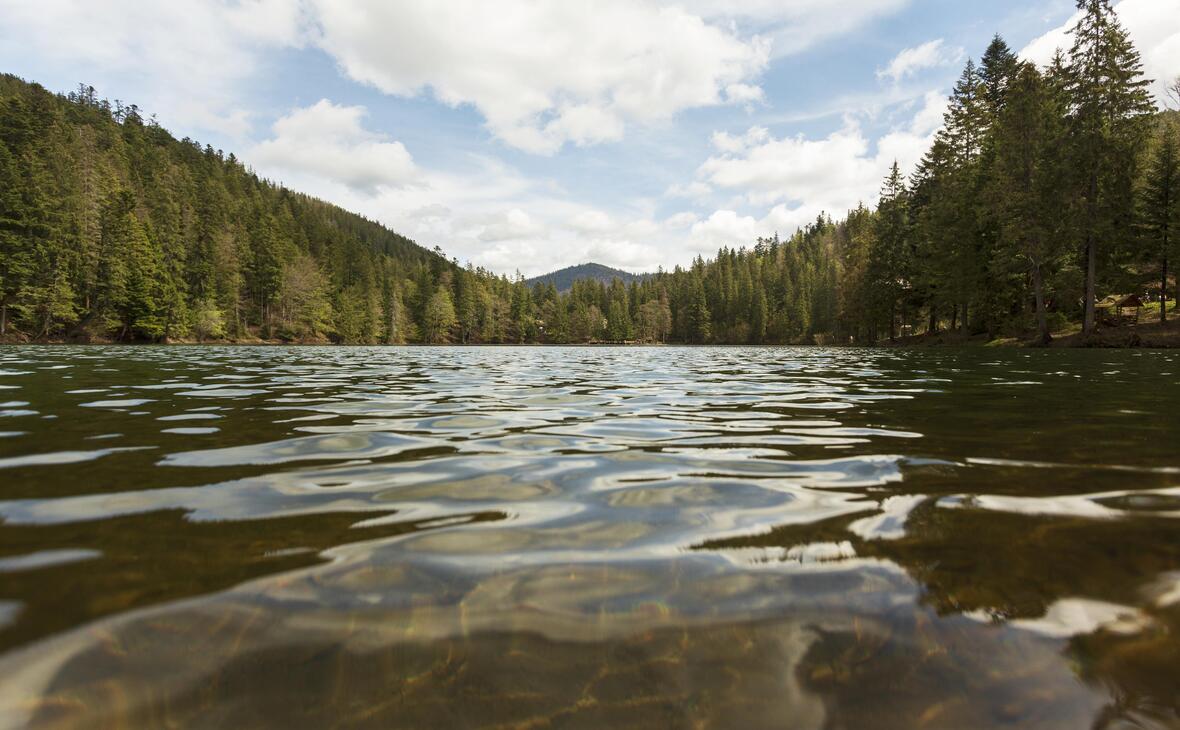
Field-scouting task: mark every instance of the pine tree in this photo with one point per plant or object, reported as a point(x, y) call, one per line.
point(118, 227)
point(1026, 190)
point(958, 147)
point(997, 70)
point(1108, 102)
point(700, 319)
point(1159, 204)
point(15, 260)
point(888, 259)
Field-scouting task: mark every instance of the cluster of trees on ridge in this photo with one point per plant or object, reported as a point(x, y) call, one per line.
point(1044, 188)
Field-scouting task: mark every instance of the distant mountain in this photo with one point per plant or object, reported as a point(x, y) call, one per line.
point(564, 279)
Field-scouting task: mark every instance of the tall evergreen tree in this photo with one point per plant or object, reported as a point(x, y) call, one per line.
point(997, 70)
point(1159, 204)
point(1108, 102)
point(888, 266)
point(1027, 186)
point(960, 143)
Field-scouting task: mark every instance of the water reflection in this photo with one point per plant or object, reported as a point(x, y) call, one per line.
point(738, 537)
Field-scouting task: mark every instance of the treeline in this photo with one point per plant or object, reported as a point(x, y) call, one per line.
point(1045, 188)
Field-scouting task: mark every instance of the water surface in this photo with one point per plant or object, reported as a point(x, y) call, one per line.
point(589, 537)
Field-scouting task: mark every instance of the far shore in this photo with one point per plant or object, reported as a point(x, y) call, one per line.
point(1146, 335)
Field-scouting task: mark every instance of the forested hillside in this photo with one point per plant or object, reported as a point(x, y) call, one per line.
point(111, 228)
point(1046, 190)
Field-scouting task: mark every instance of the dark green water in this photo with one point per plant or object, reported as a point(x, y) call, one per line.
point(581, 537)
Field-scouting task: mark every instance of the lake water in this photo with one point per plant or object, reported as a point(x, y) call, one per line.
point(589, 537)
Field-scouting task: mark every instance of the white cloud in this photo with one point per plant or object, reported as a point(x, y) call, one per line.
point(805, 177)
point(1154, 27)
point(932, 54)
point(796, 168)
point(930, 117)
point(692, 190)
point(744, 93)
point(796, 25)
point(684, 219)
point(328, 141)
point(731, 144)
point(511, 225)
point(591, 221)
point(543, 74)
point(724, 228)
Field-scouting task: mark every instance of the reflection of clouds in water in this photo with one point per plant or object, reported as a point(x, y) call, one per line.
point(44, 559)
point(8, 613)
point(1069, 505)
point(1076, 616)
point(890, 524)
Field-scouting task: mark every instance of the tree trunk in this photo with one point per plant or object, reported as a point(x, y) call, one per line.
point(933, 328)
point(1091, 256)
point(964, 327)
point(3, 318)
point(1042, 318)
point(1091, 294)
point(1164, 286)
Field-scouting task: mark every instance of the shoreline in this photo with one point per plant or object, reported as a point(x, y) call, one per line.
point(1116, 339)
point(1153, 335)
point(1142, 335)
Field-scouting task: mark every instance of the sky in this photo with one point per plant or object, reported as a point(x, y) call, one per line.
point(528, 135)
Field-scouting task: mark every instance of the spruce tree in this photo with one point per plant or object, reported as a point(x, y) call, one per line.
point(960, 143)
point(1108, 101)
point(888, 260)
point(1159, 204)
point(997, 70)
point(1026, 190)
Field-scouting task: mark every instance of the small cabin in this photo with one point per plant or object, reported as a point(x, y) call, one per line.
point(1121, 308)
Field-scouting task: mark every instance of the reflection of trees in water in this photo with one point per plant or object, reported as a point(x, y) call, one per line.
point(155, 557)
point(1012, 566)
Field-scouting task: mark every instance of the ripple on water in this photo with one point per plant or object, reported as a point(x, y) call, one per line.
point(356, 445)
point(589, 536)
point(117, 403)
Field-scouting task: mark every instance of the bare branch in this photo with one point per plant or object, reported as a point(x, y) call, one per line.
point(1173, 93)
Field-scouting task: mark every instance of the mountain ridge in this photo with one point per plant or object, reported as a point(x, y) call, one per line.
point(563, 279)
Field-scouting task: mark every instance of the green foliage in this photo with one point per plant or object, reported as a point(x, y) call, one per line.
point(1108, 104)
point(1159, 204)
point(208, 322)
point(303, 312)
point(440, 317)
